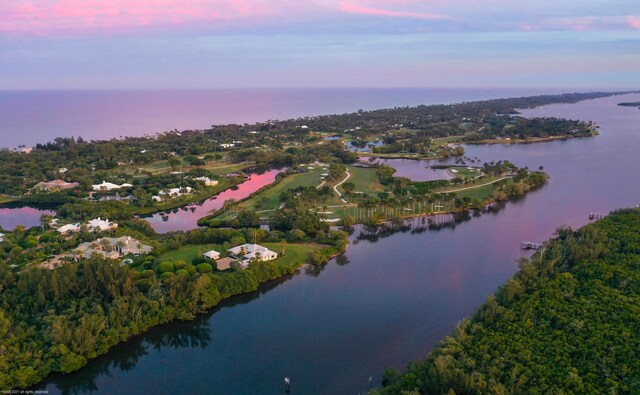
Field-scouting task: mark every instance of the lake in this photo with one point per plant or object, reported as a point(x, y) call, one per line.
point(186, 217)
point(12, 215)
point(391, 297)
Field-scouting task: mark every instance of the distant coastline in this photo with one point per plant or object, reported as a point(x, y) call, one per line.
point(30, 117)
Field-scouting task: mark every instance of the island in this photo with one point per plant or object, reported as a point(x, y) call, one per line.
point(95, 273)
point(631, 104)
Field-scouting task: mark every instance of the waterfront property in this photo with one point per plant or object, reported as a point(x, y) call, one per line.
point(99, 224)
point(69, 228)
point(109, 186)
point(213, 255)
point(248, 252)
point(95, 225)
point(171, 193)
point(224, 264)
point(111, 247)
point(54, 186)
point(207, 181)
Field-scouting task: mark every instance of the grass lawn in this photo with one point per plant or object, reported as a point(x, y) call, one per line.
point(296, 253)
point(269, 199)
point(480, 193)
point(188, 252)
point(444, 141)
point(214, 167)
point(479, 189)
point(462, 171)
point(364, 179)
point(6, 199)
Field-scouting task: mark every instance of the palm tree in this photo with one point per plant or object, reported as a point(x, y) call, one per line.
point(45, 220)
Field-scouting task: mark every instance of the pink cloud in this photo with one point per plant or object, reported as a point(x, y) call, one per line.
point(585, 23)
point(364, 10)
point(41, 17)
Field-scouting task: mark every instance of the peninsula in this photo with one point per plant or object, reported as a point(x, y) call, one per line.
point(95, 274)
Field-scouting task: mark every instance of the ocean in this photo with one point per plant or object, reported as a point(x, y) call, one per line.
point(31, 117)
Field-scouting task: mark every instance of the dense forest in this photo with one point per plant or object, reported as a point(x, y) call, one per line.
point(56, 320)
point(568, 322)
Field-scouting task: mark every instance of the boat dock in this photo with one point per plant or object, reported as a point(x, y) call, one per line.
point(596, 216)
point(529, 245)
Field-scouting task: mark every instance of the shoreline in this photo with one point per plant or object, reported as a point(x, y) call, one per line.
point(212, 310)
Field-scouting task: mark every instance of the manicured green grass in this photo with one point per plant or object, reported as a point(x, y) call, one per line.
point(364, 179)
point(480, 193)
point(296, 253)
point(220, 168)
point(462, 171)
point(269, 199)
point(215, 167)
point(188, 252)
point(479, 189)
point(444, 141)
point(6, 199)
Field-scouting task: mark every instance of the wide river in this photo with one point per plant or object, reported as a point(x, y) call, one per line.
point(389, 299)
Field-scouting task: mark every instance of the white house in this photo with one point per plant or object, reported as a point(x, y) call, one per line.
point(1, 237)
point(112, 248)
point(171, 193)
point(225, 145)
point(69, 228)
point(108, 186)
point(99, 224)
point(207, 181)
point(252, 251)
point(215, 255)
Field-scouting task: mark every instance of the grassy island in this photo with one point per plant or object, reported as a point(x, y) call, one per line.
point(567, 322)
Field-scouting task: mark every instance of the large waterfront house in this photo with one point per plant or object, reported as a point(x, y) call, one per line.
point(69, 228)
point(111, 247)
point(55, 185)
point(171, 193)
point(213, 254)
point(99, 224)
point(108, 186)
point(95, 225)
point(249, 252)
point(207, 181)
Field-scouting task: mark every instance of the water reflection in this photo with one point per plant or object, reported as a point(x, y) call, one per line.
point(186, 217)
point(404, 287)
point(416, 170)
point(195, 334)
point(14, 215)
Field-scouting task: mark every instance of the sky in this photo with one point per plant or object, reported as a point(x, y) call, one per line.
point(106, 44)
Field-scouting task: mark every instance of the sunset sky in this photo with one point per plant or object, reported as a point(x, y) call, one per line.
point(318, 43)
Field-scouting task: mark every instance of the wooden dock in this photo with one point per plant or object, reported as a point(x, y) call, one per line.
point(594, 216)
point(529, 245)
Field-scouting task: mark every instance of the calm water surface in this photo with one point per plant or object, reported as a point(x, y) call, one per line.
point(391, 298)
point(186, 218)
point(10, 217)
point(416, 170)
point(30, 117)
